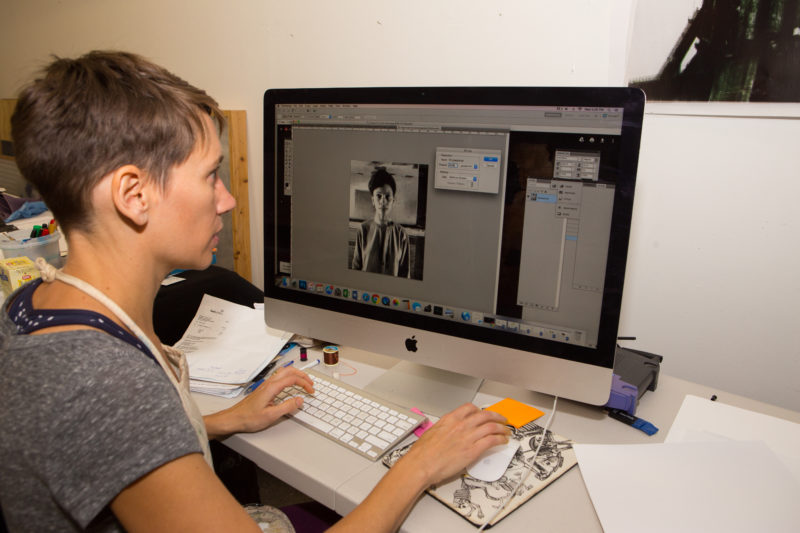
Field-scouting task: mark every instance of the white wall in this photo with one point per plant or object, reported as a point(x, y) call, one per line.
point(713, 278)
point(236, 50)
point(712, 254)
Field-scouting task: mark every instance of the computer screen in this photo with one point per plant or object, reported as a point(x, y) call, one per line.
point(477, 230)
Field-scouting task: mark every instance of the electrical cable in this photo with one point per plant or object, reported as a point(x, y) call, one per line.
point(530, 469)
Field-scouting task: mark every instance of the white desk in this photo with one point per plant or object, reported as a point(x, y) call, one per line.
point(341, 479)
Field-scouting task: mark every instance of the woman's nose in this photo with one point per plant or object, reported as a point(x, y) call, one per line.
point(225, 200)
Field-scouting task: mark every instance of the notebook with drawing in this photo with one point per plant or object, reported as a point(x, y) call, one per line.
point(476, 500)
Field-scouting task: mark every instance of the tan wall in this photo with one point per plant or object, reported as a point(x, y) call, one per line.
point(6, 109)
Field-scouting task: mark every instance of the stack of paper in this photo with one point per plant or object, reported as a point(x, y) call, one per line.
point(227, 345)
point(721, 468)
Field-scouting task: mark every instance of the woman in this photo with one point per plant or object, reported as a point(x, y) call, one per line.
point(98, 430)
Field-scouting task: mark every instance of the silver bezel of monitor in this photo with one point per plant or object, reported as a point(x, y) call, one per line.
point(537, 372)
point(575, 372)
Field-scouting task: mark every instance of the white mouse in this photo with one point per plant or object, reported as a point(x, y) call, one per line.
point(492, 463)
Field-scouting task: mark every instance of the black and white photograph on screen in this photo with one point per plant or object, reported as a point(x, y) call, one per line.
point(387, 218)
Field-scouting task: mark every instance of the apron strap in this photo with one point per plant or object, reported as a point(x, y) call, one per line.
point(176, 357)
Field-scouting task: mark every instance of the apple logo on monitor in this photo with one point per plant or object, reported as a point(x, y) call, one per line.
point(411, 344)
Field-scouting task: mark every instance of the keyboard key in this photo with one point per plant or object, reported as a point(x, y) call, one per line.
point(372, 439)
point(385, 436)
point(313, 422)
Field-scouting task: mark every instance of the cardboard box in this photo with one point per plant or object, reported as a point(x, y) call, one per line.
point(15, 272)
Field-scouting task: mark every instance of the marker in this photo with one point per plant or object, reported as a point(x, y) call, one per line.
point(309, 365)
point(638, 423)
point(289, 363)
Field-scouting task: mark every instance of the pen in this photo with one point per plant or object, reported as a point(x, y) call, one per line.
point(289, 363)
point(253, 386)
point(259, 379)
point(266, 370)
point(309, 365)
point(286, 349)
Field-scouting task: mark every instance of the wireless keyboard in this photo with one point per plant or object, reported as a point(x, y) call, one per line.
point(360, 421)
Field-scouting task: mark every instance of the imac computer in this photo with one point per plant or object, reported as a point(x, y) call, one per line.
point(472, 232)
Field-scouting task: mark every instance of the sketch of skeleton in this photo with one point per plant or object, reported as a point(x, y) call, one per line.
point(462, 501)
point(480, 497)
point(551, 454)
point(474, 499)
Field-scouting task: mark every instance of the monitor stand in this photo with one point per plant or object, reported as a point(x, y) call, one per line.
point(431, 390)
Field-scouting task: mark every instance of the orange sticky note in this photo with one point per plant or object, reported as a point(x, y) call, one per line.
point(517, 413)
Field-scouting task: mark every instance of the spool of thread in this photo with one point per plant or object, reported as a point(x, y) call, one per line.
point(330, 355)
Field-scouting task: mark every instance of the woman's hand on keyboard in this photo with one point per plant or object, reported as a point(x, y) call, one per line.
point(256, 411)
point(457, 440)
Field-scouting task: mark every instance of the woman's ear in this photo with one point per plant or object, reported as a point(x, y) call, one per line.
point(131, 194)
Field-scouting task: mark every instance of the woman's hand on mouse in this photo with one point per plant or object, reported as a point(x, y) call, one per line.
point(457, 440)
point(441, 453)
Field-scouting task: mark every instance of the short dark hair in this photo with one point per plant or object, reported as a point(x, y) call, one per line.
point(88, 116)
point(380, 177)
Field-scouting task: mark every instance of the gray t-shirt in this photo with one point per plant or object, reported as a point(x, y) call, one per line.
point(82, 416)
